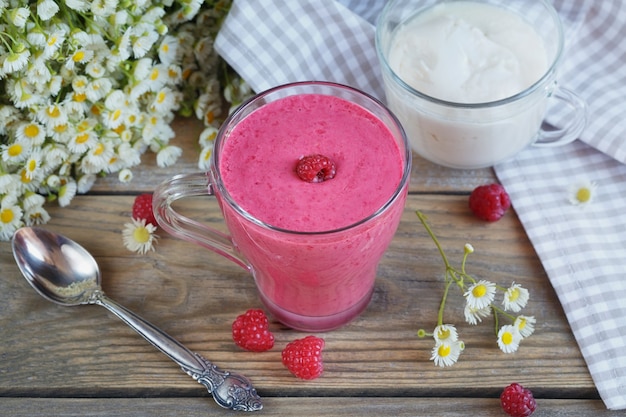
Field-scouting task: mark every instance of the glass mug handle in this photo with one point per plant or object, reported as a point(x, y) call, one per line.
point(575, 125)
point(190, 185)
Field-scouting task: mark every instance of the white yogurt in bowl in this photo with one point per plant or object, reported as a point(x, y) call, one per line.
point(470, 80)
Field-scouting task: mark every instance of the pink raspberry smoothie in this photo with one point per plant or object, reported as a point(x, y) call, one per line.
point(314, 266)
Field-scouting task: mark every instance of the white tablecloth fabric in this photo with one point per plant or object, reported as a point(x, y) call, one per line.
point(583, 249)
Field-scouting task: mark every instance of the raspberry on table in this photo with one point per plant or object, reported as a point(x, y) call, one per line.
point(142, 209)
point(489, 202)
point(517, 401)
point(303, 357)
point(251, 331)
point(315, 168)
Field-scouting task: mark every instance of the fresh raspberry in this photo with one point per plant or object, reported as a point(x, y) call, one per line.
point(315, 168)
point(251, 331)
point(142, 209)
point(517, 401)
point(303, 357)
point(489, 202)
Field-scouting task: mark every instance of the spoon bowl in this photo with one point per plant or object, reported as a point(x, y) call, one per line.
point(64, 272)
point(58, 268)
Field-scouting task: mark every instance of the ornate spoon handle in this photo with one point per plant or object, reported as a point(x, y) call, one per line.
point(230, 390)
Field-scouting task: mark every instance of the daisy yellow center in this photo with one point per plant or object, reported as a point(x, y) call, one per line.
point(32, 165)
point(99, 149)
point(583, 195)
point(165, 48)
point(60, 128)
point(443, 334)
point(522, 324)
point(53, 112)
point(161, 97)
point(15, 149)
point(117, 114)
point(31, 131)
point(80, 97)
point(210, 116)
point(154, 74)
point(207, 156)
point(507, 338)
point(82, 138)
point(83, 126)
point(6, 216)
point(24, 177)
point(79, 56)
point(172, 74)
point(514, 294)
point(479, 291)
point(444, 350)
point(141, 235)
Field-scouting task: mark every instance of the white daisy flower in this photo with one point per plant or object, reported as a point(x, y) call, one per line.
point(582, 192)
point(78, 5)
point(8, 183)
point(18, 16)
point(36, 215)
point(85, 182)
point(10, 218)
point(525, 325)
point(168, 155)
point(39, 72)
point(17, 60)
point(16, 152)
point(515, 298)
point(480, 294)
point(139, 237)
point(67, 192)
point(54, 42)
point(144, 39)
point(204, 160)
point(46, 9)
point(32, 132)
point(52, 115)
point(165, 101)
point(509, 338)
point(447, 353)
point(125, 176)
point(445, 333)
point(79, 56)
point(168, 50)
point(32, 166)
point(208, 136)
point(98, 89)
point(475, 315)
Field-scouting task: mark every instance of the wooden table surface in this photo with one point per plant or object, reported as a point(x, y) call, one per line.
point(82, 361)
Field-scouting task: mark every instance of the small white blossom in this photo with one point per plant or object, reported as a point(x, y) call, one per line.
point(445, 333)
point(582, 193)
point(475, 315)
point(480, 294)
point(509, 338)
point(525, 325)
point(168, 155)
point(46, 9)
point(447, 353)
point(515, 298)
point(138, 236)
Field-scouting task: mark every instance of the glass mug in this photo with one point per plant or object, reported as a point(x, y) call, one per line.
point(468, 135)
point(308, 280)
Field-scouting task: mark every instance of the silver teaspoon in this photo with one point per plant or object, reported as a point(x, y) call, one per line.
point(65, 273)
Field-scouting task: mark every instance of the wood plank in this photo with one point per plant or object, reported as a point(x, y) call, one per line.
point(425, 176)
point(194, 295)
point(313, 407)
